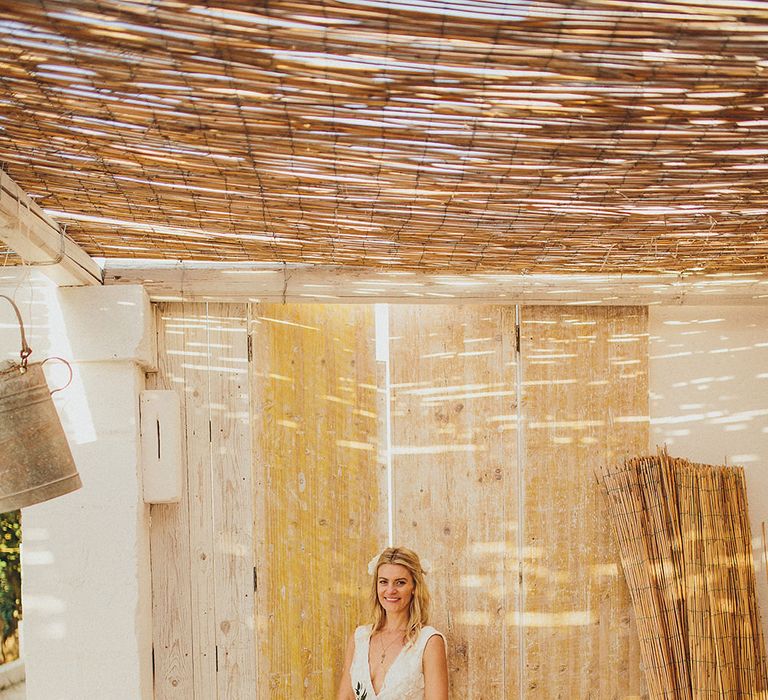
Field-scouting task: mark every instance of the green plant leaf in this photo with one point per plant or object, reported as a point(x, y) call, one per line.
point(10, 573)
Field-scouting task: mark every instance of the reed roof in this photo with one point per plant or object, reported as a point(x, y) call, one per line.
point(540, 136)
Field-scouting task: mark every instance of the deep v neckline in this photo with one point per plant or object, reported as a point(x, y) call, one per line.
point(386, 675)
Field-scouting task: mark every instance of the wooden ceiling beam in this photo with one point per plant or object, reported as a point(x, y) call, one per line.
point(174, 281)
point(41, 242)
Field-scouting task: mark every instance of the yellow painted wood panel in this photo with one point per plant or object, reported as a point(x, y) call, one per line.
point(317, 512)
point(454, 452)
point(585, 403)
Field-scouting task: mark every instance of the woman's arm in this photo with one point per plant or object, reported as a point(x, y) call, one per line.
point(345, 684)
point(435, 669)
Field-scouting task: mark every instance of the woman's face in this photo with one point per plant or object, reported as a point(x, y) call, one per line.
point(395, 587)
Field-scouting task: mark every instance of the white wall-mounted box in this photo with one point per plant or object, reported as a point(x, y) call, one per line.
point(161, 446)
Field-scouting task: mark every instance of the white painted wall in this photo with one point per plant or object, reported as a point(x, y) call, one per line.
point(708, 379)
point(85, 555)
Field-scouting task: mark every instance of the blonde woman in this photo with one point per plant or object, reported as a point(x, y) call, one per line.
point(399, 656)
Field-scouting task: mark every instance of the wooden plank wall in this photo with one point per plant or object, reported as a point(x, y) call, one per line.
point(525, 578)
point(318, 510)
point(202, 548)
point(454, 446)
point(585, 403)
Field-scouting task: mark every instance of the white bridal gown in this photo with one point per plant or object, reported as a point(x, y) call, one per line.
point(404, 679)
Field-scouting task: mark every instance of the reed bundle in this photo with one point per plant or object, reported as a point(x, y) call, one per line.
point(547, 136)
point(685, 547)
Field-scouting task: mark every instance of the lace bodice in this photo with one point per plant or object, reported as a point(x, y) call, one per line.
point(405, 677)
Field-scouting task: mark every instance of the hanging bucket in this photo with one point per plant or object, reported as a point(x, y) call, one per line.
point(35, 460)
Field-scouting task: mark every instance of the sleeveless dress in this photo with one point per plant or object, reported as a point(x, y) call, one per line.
point(405, 677)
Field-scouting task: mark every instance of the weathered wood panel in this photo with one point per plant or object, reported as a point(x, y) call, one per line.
point(585, 403)
point(232, 500)
point(197, 376)
point(169, 533)
point(455, 480)
point(167, 280)
point(317, 513)
point(202, 554)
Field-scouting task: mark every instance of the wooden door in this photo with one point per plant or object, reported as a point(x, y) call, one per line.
point(455, 469)
point(202, 548)
point(318, 496)
point(584, 403)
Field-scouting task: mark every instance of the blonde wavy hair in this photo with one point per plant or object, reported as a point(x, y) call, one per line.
point(418, 611)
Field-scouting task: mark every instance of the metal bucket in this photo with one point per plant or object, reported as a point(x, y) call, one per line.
point(35, 460)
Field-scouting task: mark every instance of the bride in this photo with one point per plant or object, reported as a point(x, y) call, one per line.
point(398, 657)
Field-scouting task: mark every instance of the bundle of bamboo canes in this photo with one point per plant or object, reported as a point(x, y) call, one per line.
point(685, 547)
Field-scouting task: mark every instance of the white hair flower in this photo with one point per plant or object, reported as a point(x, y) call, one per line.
point(426, 566)
point(372, 563)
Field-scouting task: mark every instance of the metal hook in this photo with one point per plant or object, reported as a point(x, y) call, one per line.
point(26, 351)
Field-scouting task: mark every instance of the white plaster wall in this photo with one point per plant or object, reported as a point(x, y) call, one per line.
point(35, 297)
point(86, 577)
point(708, 380)
point(85, 555)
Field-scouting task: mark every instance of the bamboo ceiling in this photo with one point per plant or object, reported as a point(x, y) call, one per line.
point(574, 136)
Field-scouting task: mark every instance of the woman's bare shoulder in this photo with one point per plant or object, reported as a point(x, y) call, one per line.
point(435, 643)
point(431, 633)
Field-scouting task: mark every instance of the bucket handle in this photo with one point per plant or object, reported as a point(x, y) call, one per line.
point(69, 367)
point(26, 351)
